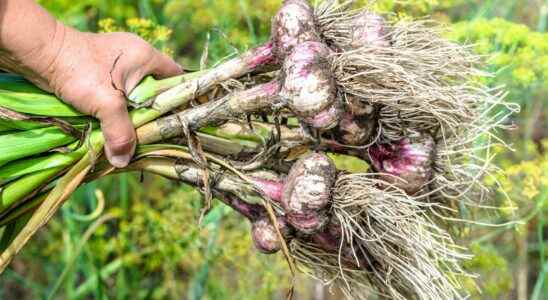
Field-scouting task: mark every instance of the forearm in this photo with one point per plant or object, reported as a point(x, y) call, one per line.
point(30, 38)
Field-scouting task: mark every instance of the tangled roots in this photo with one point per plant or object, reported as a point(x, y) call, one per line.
point(421, 81)
point(406, 254)
point(463, 161)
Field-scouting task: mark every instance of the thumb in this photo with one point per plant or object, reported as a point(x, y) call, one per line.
point(117, 129)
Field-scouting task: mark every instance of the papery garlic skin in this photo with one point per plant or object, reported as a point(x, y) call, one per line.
point(309, 87)
point(307, 192)
point(406, 164)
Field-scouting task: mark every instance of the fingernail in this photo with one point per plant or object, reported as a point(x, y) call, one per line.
point(181, 69)
point(120, 161)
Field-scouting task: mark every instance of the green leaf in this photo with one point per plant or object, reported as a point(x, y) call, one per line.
point(17, 190)
point(17, 83)
point(22, 167)
point(12, 230)
point(19, 125)
point(4, 128)
point(22, 209)
point(25, 143)
point(28, 125)
point(36, 103)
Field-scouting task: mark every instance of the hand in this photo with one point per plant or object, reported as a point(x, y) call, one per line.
point(94, 73)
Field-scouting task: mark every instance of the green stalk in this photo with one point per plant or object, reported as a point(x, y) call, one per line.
point(12, 230)
point(151, 87)
point(22, 167)
point(4, 128)
point(38, 104)
point(23, 209)
point(26, 143)
point(17, 190)
point(29, 125)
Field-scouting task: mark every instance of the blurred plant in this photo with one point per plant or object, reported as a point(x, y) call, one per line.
point(518, 54)
point(416, 8)
point(496, 276)
point(518, 58)
point(157, 35)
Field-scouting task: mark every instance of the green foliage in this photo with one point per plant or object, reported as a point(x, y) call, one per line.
point(497, 276)
point(413, 8)
point(518, 54)
point(155, 34)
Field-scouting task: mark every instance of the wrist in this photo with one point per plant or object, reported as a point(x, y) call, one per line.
point(30, 38)
point(36, 61)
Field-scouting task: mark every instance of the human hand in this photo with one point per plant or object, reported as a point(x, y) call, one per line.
point(94, 72)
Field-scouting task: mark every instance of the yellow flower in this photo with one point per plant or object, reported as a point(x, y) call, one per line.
point(530, 190)
point(107, 25)
point(162, 33)
point(524, 76)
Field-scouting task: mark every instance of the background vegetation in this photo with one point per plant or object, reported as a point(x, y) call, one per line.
point(128, 237)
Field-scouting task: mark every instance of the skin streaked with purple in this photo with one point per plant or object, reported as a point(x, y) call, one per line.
point(264, 235)
point(307, 192)
point(273, 189)
point(261, 56)
point(293, 25)
point(308, 85)
point(407, 164)
point(327, 118)
point(266, 240)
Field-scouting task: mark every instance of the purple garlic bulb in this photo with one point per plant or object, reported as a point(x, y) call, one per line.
point(264, 235)
point(308, 86)
point(307, 192)
point(355, 130)
point(293, 25)
point(368, 29)
point(406, 164)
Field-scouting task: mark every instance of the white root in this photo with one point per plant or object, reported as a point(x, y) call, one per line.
point(407, 255)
